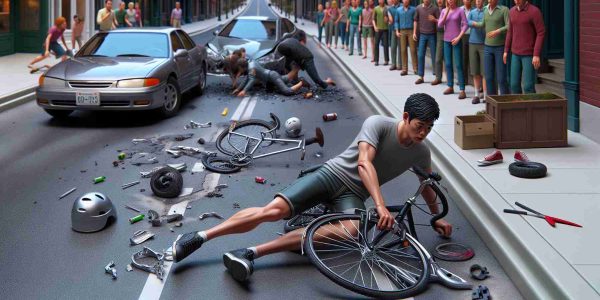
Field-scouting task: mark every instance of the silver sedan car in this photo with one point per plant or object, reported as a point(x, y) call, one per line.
point(126, 69)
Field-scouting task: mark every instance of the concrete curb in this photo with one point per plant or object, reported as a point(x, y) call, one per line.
point(527, 272)
point(25, 95)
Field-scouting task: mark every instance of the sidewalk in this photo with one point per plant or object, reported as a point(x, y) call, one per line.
point(18, 82)
point(543, 262)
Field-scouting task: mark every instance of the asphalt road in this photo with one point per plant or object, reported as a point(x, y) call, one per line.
point(41, 158)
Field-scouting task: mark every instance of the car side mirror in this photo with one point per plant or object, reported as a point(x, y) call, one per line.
point(181, 53)
point(216, 32)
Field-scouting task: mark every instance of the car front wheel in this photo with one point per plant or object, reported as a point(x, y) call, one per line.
point(59, 114)
point(172, 101)
point(201, 81)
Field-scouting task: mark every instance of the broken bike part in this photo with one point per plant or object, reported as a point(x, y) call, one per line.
point(173, 218)
point(194, 125)
point(157, 268)
point(136, 141)
point(140, 236)
point(208, 215)
point(481, 293)
point(453, 252)
point(143, 158)
point(478, 272)
point(166, 183)
point(179, 167)
point(129, 268)
point(175, 154)
point(67, 193)
point(133, 208)
point(128, 185)
point(92, 212)
point(110, 269)
point(154, 218)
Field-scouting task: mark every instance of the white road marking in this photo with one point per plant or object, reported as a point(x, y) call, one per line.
point(198, 167)
point(154, 286)
point(186, 192)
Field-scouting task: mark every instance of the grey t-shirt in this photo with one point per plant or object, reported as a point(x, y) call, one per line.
point(391, 160)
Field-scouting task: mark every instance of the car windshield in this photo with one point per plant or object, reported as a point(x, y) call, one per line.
point(250, 30)
point(139, 44)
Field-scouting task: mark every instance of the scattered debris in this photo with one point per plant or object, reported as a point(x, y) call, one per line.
point(129, 268)
point(110, 269)
point(136, 218)
point(198, 167)
point(140, 236)
point(67, 193)
point(128, 185)
point(478, 272)
point(171, 228)
point(260, 180)
point(143, 158)
point(166, 183)
point(122, 156)
point(173, 218)
point(83, 171)
point(175, 154)
point(157, 268)
point(179, 167)
point(154, 218)
point(308, 95)
point(201, 141)
point(453, 252)
point(318, 155)
point(481, 293)
point(99, 179)
point(34, 202)
point(186, 192)
point(194, 125)
point(280, 233)
point(221, 186)
point(136, 141)
point(272, 184)
point(132, 208)
point(96, 163)
point(210, 214)
point(214, 194)
point(225, 111)
point(142, 190)
point(189, 207)
point(330, 117)
point(115, 163)
point(179, 224)
point(236, 205)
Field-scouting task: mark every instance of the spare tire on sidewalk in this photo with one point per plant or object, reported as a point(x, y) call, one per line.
point(527, 169)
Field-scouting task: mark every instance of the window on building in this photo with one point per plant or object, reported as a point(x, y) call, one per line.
point(4, 16)
point(29, 15)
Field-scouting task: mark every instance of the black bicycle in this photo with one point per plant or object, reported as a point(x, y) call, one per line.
point(390, 264)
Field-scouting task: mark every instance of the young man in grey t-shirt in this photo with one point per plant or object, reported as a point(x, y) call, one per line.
point(383, 149)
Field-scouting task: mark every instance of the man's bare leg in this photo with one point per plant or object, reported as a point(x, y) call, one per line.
point(250, 218)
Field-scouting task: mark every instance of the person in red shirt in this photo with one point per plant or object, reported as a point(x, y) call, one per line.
point(524, 39)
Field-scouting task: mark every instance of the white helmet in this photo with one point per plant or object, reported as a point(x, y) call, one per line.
point(293, 127)
point(92, 212)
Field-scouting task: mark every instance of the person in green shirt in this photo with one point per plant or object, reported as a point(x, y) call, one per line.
point(120, 15)
point(354, 25)
point(381, 26)
point(495, 23)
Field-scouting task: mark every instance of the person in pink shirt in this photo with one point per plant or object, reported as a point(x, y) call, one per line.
point(454, 22)
point(51, 42)
point(138, 14)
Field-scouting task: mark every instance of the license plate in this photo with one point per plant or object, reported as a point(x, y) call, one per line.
point(90, 99)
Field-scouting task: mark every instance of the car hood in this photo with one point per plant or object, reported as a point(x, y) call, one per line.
point(104, 68)
point(254, 49)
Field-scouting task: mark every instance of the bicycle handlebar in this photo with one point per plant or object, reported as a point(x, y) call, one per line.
point(436, 177)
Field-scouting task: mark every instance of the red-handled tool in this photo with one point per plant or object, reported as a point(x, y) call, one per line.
point(551, 220)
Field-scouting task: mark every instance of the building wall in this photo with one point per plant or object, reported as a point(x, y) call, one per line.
point(589, 52)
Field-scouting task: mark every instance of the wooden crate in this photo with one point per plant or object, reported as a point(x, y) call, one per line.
point(528, 121)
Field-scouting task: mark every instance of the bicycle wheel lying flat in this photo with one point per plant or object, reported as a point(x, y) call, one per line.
point(219, 164)
point(304, 218)
point(393, 269)
point(251, 128)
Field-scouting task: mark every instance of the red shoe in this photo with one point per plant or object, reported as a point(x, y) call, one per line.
point(491, 159)
point(520, 156)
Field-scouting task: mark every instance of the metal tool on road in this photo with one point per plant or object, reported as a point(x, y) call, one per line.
point(128, 185)
point(478, 272)
point(67, 193)
point(110, 269)
point(157, 268)
point(133, 208)
point(140, 236)
point(208, 215)
point(551, 220)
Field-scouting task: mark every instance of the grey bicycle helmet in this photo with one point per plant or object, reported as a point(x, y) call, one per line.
point(293, 127)
point(91, 212)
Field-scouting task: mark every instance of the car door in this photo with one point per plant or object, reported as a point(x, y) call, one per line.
point(195, 55)
point(184, 63)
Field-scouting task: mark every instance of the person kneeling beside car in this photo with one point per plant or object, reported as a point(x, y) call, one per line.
point(256, 72)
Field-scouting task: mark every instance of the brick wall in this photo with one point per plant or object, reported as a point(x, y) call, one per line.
point(589, 51)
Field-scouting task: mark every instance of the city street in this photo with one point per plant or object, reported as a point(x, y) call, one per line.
point(41, 158)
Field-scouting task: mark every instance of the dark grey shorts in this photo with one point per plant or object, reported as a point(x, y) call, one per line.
point(320, 186)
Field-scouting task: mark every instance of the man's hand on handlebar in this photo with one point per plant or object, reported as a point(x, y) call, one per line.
point(386, 220)
point(444, 228)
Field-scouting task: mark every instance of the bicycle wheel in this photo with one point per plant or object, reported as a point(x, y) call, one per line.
point(219, 164)
point(251, 128)
point(337, 247)
point(304, 218)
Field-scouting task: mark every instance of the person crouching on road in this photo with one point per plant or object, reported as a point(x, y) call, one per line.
point(384, 149)
point(51, 43)
point(295, 51)
point(256, 73)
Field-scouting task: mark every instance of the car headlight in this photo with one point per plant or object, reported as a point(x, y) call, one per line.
point(51, 82)
point(138, 83)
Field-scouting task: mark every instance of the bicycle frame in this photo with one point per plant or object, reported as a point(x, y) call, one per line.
point(300, 144)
